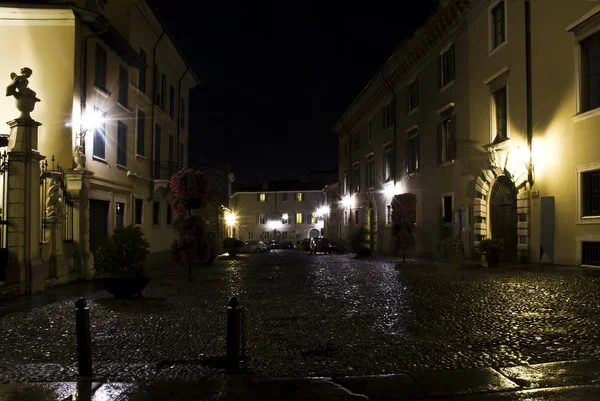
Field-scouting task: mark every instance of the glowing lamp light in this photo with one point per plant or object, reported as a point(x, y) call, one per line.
point(92, 120)
point(323, 211)
point(391, 189)
point(273, 224)
point(285, 216)
point(230, 219)
point(348, 201)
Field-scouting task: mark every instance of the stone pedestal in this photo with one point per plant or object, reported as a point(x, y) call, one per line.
point(76, 183)
point(23, 207)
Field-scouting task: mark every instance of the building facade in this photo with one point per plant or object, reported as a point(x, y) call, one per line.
point(281, 215)
point(488, 114)
point(114, 114)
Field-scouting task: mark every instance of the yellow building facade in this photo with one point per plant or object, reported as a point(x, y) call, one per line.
point(114, 92)
point(488, 114)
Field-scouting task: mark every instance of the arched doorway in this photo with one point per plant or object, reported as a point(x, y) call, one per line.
point(371, 228)
point(313, 233)
point(503, 216)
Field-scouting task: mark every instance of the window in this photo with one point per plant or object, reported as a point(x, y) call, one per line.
point(314, 218)
point(356, 217)
point(447, 206)
point(157, 150)
point(171, 149)
point(285, 219)
point(181, 160)
point(370, 172)
point(500, 115)
point(388, 115)
point(356, 178)
point(370, 131)
point(156, 213)
point(284, 235)
point(163, 91)
point(120, 214)
point(357, 141)
point(142, 72)
point(100, 138)
point(262, 197)
point(140, 147)
point(139, 210)
point(250, 235)
point(388, 214)
point(446, 141)
point(298, 218)
point(155, 85)
point(346, 218)
point(123, 86)
point(446, 67)
point(590, 188)
point(388, 163)
point(262, 219)
point(590, 73)
point(498, 25)
point(169, 214)
point(299, 197)
point(284, 197)
point(345, 183)
point(412, 95)
point(172, 102)
point(100, 68)
point(182, 113)
point(412, 152)
point(121, 144)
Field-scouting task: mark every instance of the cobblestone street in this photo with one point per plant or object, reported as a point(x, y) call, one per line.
point(316, 315)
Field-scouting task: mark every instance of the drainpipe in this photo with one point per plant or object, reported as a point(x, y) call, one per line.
point(153, 115)
point(387, 84)
point(528, 78)
point(178, 116)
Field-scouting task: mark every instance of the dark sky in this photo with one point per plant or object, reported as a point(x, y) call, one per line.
point(277, 75)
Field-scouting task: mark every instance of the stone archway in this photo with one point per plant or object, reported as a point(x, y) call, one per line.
point(313, 233)
point(502, 220)
point(505, 185)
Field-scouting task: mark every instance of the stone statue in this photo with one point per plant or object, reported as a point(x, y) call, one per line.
point(54, 198)
point(24, 96)
point(79, 157)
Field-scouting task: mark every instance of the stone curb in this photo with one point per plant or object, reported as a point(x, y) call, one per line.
point(476, 382)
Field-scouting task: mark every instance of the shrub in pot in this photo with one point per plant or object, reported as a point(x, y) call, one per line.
point(491, 247)
point(120, 262)
point(358, 241)
point(453, 247)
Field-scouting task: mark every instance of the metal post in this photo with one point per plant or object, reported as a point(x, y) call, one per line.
point(233, 336)
point(84, 340)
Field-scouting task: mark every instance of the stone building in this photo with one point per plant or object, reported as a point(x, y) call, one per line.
point(114, 114)
point(283, 211)
point(488, 113)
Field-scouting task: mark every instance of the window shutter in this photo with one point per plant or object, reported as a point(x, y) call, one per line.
point(416, 153)
point(452, 144)
point(439, 144)
point(451, 64)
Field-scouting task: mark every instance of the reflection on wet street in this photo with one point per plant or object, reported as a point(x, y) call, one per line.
point(314, 315)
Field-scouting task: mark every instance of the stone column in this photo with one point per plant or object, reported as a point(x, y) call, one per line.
point(23, 207)
point(76, 183)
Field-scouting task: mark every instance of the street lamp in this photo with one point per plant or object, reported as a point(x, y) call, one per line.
point(323, 212)
point(230, 220)
point(89, 122)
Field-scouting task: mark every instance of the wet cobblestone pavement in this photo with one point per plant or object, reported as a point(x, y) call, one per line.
point(315, 315)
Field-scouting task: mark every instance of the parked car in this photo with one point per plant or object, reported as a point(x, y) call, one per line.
point(320, 244)
point(272, 244)
point(304, 244)
point(287, 245)
point(253, 246)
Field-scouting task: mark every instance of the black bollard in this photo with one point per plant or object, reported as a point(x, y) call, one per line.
point(233, 336)
point(84, 339)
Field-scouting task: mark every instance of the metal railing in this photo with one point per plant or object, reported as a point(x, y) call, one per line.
point(162, 170)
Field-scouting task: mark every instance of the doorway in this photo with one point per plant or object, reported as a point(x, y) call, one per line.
point(98, 222)
point(371, 228)
point(503, 217)
point(314, 233)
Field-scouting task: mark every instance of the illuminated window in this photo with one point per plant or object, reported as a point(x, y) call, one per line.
point(446, 146)
point(388, 115)
point(314, 218)
point(412, 96)
point(446, 67)
point(262, 197)
point(299, 197)
point(99, 149)
point(370, 131)
point(121, 144)
point(412, 152)
point(298, 218)
point(285, 219)
point(262, 219)
point(498, 21)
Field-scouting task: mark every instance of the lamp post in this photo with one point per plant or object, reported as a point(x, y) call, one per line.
point(230, 220)
point(89, 122)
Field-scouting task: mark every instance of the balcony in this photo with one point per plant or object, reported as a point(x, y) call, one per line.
point(162, 172)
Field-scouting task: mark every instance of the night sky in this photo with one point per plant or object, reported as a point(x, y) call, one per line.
point(276, 76)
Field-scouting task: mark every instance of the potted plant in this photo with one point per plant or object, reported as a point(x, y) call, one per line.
point(453, 248)
point(120, 262)
point(491, 247)
point(358, 241)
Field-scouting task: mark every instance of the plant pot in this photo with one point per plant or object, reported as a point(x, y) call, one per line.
point(124, 287)
point(492, 259)
point(454, 257)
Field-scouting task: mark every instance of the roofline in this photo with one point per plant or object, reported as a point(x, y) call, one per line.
point(274, 192)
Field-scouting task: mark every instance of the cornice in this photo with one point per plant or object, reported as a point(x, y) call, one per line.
point(436, 29)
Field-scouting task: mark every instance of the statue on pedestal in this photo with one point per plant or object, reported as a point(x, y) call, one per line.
point(54, 198)
point(24, 96)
